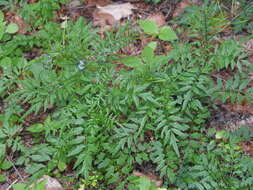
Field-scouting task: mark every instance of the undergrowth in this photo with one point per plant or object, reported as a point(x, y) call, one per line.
point(100, 123)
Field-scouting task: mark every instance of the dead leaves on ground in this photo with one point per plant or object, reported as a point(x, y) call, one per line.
point(158, 18)
point(181, 7)
point(111, 14)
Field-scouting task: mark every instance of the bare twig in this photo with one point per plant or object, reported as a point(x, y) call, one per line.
point(10, 186)
point(20, 176)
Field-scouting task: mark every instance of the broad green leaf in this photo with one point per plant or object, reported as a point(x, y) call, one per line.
point(40, 185)
point(6, 64)
point(171, 175)
point(236, 81)
point(149, 27)
point(187, 98)
point(32, 168)
point(220, 134)
point(36, 128)
point(2, 151)
point(147, 54)
point(40, 158)
point(5, 165)
point(20, 186)
point(1, 30)
point(131, 61)
point(1, 17)
point(144, 183)
point(2, 178)
point(167, 34)
point(76, 150)
point(36, 69)
point(211, 145)
point(77, 140)
point(244, 84)
point(12, 28)
point(62, 166)
point(152, 45)
point(173, 142)
point(179, 133)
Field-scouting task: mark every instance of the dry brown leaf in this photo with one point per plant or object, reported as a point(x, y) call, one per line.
point(118, 11)
point(158, 18)
point(244, 109)
point(181, 7)
point(110, 15)
point(97, 2)
point(102, 19)
point(158, 182)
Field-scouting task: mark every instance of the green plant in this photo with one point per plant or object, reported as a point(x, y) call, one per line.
point(143, 183)
point(242, 21)
point(100, 122)
point(205, 21)
point(10, 28)
point(164, 33)
point(40, 12)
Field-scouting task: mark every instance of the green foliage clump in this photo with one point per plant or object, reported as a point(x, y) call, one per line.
point(101, 123)
point(242, 21)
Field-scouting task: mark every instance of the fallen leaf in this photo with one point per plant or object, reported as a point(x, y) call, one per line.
point(102, 19)
point(118, 11)
point(12, 28)
point(158, 18)
point(108, 16)
point(149, 27)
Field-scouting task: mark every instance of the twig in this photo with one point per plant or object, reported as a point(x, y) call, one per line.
point(22, 179)
point(10, 186)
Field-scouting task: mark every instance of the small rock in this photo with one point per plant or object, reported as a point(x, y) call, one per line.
point(51, 183)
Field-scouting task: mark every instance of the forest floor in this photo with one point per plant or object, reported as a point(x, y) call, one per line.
point(22, 162)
